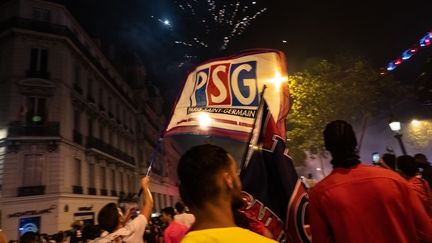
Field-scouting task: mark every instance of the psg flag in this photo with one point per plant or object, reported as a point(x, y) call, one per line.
point(273, 192)
point(241, 103)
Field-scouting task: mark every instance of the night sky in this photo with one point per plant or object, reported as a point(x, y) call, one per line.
point(377, 30)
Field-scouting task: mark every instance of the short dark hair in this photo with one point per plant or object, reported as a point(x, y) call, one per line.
point(421, 158)
point(197, 170)
point(29, 237)
point(169, 211)
point(108, 217)
point(407, 165)
point(179, 206)
point(91, 232)
point(389, 160)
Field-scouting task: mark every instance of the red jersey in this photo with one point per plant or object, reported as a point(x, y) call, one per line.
point(367, 204)
point(174, 232)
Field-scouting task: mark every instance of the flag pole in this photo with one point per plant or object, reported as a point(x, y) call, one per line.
point(153, 156)
point(253, 139)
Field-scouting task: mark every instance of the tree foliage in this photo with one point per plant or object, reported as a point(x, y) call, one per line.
point(348, 89)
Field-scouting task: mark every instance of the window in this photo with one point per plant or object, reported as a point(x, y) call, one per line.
point(36, 110)
point(38, 60)
point(77, 170)
point(90, 89)
point(103, 177)
point(77, 73)
point(118, 112)
point(90, 127)
point(109, 104)
point(101, 97)
point(110, 137)
point(101, 132)
point(121, 182)
point(41, 14)
point(32, 168)
point(77, 120)
point(113, 180)
point(91, 174)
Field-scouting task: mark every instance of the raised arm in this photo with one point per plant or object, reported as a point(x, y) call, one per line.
point(148, 199)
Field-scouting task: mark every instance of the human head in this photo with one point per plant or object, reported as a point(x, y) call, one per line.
point(389, 160)
point(206, 173)
point(167, 214)
point(110, 217)
point(180, 208)
point(340, 140)
point(407, 165)
point(421, 160)
point(29, 237)
point(91, 232)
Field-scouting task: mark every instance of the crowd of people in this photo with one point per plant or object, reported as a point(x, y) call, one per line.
point(391, 202)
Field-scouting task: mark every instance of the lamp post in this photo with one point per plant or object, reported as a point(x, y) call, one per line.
point(395, 126)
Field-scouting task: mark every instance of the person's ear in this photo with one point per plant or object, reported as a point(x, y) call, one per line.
point(229, 180)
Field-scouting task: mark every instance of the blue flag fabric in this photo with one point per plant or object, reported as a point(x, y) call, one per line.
point(274, 193)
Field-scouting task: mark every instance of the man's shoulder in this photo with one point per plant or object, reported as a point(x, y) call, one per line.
point(359, 173)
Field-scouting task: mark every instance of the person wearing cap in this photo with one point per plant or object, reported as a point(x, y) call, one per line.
point(360, 203)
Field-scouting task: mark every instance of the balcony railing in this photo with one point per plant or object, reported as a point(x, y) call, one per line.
point(92, 191)
point(38, 74)
point(31, 190)
point(98, 144)
point(77, 189)
point(20, 129)
point(104, 192)
point(113, 193)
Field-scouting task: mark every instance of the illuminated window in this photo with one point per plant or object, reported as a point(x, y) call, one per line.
point(36, 110)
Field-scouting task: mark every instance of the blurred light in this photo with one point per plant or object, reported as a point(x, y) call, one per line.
point(395, 126)
point(284, 41)
point(204, 120)
point(253, 2)
point(166, 22)
point(407, 54)
point(278, 79)
point(398, 61)
point(425, 41)
point(3, 133)
point(318, 169)
point(415, 122)
point(391, 66)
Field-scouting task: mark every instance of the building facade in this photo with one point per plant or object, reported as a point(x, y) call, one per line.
point(74, 133)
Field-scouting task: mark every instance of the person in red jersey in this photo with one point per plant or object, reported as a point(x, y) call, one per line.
point(360, 203)
point(175, 230)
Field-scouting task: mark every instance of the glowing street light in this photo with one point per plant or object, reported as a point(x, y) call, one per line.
point(395, 126)
point(415, 122)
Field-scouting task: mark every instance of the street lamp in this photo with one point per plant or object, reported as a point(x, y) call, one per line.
point(395, 126)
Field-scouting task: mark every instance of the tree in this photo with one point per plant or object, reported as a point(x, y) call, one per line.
point(348, 89)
